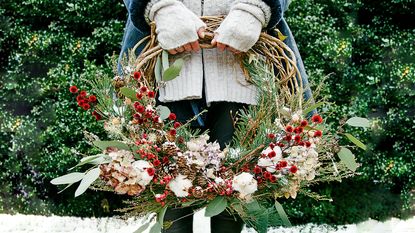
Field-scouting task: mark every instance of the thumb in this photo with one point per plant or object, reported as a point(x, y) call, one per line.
point(201, 32)
point(214, 40)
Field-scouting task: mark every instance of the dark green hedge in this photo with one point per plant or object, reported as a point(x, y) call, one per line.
point(365, 47)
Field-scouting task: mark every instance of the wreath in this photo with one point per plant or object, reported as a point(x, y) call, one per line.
point(280, 148)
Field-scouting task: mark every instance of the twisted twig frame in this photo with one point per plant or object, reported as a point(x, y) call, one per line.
point(278, 55)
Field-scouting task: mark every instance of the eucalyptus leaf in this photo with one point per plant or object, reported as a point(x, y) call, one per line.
point(86, 160)
point(158, 69)
point(88, 179)
point(173, 71)
point(164, 112)
point(165, 60)
point(129, 93)
point(356, 141)
point(103, 145)
point(348, 158)
point(358, 122)
point(217, 206)
point(68, 178)
point(156, 228)
point(161, 215)
point(143, 227)
point(67, 186)
point(282, 214)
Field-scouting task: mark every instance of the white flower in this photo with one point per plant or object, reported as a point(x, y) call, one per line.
point(245, 184)
point(210, 173)
point(180, 185)
point(219, 180)
point(149, 108)
point(143, 178)
point(295, 117)
point(267, 163)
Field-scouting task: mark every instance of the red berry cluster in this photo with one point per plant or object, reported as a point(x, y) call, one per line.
point(85, 102)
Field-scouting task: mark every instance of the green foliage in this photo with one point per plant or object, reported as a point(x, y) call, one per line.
point(47, 45)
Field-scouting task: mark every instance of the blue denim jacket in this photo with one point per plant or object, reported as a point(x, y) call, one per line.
point(136, 28)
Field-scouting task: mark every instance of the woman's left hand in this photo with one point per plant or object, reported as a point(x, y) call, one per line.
point(222, 46)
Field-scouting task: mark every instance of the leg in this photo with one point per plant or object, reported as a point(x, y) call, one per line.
point(183, 220)
point(220, 123)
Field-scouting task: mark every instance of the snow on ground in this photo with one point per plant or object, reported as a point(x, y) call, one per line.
point(54, 224)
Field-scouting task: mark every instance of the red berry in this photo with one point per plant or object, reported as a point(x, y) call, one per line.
point(86, 106)
point(173, 132)
point(288, 138)
point(82, 93)
point(151, 94)
point(172, 116)
point(307, 144)
point(165, 159)
point(257, 170)
point(92, 98)
point(289, 129)
point(273, 179)
point(304, 123)
point(151, 171)
point(156, 162)
point(283, 163)
point(267, 175)
point(143, 89)
point(137, 75)
point(293, 169)
point(297, 138)
point(176, 125)
point(318, 133)
point(271, 136)
point(272, 154)
point(140, 108)
point(139, 96)
point(317, 119)
point(73, 89)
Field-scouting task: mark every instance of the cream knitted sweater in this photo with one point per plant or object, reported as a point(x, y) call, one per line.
point(219, 73)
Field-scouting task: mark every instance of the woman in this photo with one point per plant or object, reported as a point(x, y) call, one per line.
point(210, 78)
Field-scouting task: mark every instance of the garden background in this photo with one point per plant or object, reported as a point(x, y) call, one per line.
point(363, 49)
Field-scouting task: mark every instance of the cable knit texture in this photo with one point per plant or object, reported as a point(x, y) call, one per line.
point(176, 25)
point(253, 15)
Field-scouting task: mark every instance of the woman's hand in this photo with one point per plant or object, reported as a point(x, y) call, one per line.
point(178, 28)
point(222, 46)
point(241, 28)
point(192, 46)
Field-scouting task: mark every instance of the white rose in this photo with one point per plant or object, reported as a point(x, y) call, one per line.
point(180, 186)
point(245, 184)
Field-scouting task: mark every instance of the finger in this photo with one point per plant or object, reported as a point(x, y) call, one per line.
point(201, 32)
point(214, 40)
point(172, 51)
point(188, 47)
point(221, 46)
point(195, 46)
point(233, 50)
point(180, 49)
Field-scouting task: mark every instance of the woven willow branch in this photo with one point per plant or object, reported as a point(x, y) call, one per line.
point(278, 55)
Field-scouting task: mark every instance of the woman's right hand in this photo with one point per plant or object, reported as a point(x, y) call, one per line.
point(178, 28)
point(192, 46)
